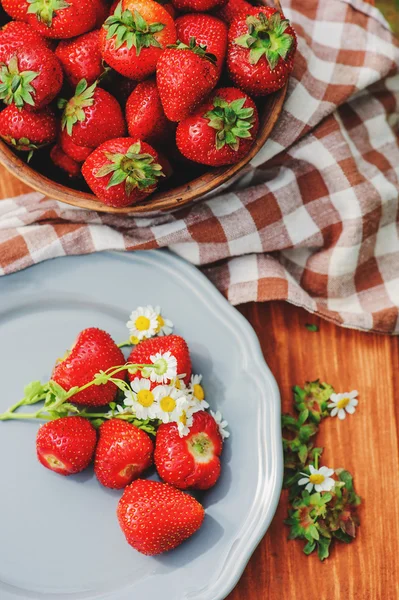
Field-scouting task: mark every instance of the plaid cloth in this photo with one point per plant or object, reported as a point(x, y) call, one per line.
point(314, 221)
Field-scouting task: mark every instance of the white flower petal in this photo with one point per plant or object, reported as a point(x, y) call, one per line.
point(341, 414)
point(303, 480)
point(353, 402)
point(350, 409)
point(326, 471)
point(334, 412)
point(353, 394)
point(309, 487)
point(312, 470)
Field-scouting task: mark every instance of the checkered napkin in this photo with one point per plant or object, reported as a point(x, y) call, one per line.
point(314, 221)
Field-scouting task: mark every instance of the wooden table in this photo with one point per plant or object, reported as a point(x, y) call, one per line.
point(366, 444)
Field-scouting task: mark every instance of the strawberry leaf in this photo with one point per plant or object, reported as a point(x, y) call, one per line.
point(231, 122)
point(130, 28)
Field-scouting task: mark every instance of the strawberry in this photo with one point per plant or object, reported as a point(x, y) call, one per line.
point(191, 461)
point(144, 114)
point(155, 517)
point(261, 51)
point(93, 351)
point(77, 153)
point(207, 30)
point(17, 9)
point(16, 33)
point(176, 345)
point(81, 58)
point(27, 130)
point(134, 37)
point(64, 162)
point(30, 76)
point(66, 445)
point(122, 171)
point(102, 12)
point(185, 76)
point(123, 453)
point(168, 6)
point(198, 5)
point(233, 9)
point(221, 131)
point(60, 19)
point(92, 116)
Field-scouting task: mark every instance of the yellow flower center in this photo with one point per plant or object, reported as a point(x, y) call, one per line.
point(199, 392)
point(316, 478)
point(183, 418)
point(343, 402)
point(134, 340)
point(167, 404)
point(177, 383)
point(161, 323)
point(145, 398)
point(142, 323)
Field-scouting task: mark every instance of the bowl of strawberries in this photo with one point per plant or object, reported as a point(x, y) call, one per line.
point(138, 106)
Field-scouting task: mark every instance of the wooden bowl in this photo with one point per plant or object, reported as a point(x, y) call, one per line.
point(44, 177)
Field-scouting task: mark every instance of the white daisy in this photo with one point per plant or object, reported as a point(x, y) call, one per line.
point(197, 393)
point(171, 403)
point(221, 423)
point(165, 367)
point(143, 323)
point(142, 400)
point(165, 326)
point(178, 382)
point(343, 403)
point(184, 422)
point(319, 478)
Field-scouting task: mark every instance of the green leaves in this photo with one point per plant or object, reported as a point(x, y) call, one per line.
point(132, 29)
point(231, 120)
point(313, 397)
point(74, 108)
point(15, 86)
point(311, 327)
point(199, 49)
point(45, 9)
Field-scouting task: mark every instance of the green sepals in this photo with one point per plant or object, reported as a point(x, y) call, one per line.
point(45, 9)
point(131, 29)
point(135, 169)
point(15, 86)
point(313, 397)
point(231, 120)
point(34, 392)
point(199, 49)
point(74, 108)
point(266, 37)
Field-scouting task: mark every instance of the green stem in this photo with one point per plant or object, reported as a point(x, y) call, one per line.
point(125, 343)
point(316, 460)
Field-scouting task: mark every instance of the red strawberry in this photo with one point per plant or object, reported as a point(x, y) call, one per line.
point(134, 37)
point(191, 461)
point(29, 76)
point(77, 153)
point(185, 76)
point(27, 130)
point(144, 114)
point(155, 517)
point(198, 5)
point(168, 6)
point(66, 445)
point(102, 12)
point(233, 9)
point(122, 171)
point(93, 351)
point(221, 131)
point(60, 19)
point(64, 162)
point(81, 58)
point(16, 33)
point(92, 116)
point(207, 30)
point(176, 345)
point(123, 453)
point(261, 51)
point(17, 9)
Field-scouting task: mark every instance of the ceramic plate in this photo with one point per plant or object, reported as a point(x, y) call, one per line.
point(59, 536)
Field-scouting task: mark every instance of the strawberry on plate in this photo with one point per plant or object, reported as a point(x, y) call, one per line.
point(27, 130)
point(207, 30)
point(145, 117)
point(93, 351)
point(135, 36)
point(77, 153)
point(122, 171)
point(198, 5)
point(66, 445)
point(185, 77)
point(191, 461)
point(261, 51)
point(155, 517)
point(64, 162)
point(123, 453)
point(81, 58)
point(30, 76)
point(221, 131)
point(173, 344)
point(61, 19)
point(92, 116)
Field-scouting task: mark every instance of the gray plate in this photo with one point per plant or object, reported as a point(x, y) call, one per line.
point(59, 537)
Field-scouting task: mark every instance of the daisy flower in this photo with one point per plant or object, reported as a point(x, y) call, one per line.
point(221, 423)
point(184, 422)
point(143, 323)
point(171, 403)
point(197, 393)
point(165, 326)
point(178, 382)
point(343, 403)
point(141, 400)
point(165, 367)
point(319, 478)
